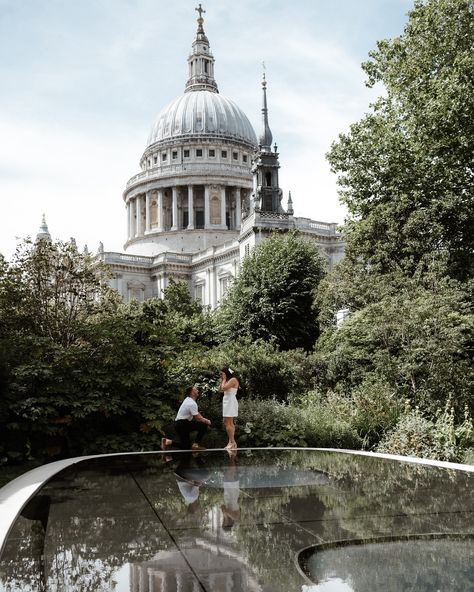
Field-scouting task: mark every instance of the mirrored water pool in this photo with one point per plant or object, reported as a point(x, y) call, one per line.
point(259, 520)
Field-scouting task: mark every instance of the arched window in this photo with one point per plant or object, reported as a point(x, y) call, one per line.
point(268, 179)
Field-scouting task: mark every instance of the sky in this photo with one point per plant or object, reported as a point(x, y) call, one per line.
point(82, 81)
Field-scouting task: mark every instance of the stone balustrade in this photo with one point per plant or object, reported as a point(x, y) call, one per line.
point(165, 171)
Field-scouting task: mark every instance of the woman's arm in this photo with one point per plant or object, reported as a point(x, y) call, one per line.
point(228, 384)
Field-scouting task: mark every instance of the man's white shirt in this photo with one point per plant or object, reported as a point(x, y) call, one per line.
point(188, 409)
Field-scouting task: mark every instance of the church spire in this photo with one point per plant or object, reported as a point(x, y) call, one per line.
point(289, 209)
point(267, 194)
point(201, 60)
point(266, 137)
point(43, 232)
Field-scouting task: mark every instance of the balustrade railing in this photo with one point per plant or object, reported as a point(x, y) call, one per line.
point(168, 170)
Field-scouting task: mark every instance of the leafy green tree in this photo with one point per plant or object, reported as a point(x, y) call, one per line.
point(75, 371)
point(272, 298)
point(416, 337)
point(406, 169)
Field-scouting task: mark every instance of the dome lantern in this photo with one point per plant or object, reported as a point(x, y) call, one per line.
point(201, 61)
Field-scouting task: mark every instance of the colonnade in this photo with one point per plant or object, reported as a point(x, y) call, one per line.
point(184, 207)
point(153, 577)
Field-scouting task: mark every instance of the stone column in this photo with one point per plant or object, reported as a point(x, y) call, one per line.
point(190, 208)
point(129, 226)
point(148, 211)
point(138, 213)
point(206, 207)
point(132, 209)
point(175, 208)
point(223, 208)
point(238, 208)
point(159, 208)
point(120, 285)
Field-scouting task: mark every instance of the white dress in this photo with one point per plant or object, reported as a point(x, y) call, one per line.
point(230, 405)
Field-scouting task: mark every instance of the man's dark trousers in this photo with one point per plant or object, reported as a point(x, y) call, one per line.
point(184, 427)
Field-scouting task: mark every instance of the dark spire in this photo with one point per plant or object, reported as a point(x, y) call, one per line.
point(266, 137)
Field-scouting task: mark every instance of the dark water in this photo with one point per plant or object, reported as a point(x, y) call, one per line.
point(185, 522)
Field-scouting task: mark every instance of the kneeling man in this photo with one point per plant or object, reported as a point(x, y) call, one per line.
point(188, 420)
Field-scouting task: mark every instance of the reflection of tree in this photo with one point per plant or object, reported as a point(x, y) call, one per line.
point(104, 513)
point(93, 530)
point(368, 490)
point(423, 564)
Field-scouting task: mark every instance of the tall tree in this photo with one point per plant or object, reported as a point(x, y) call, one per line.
point(407, 168)
point(273, 296)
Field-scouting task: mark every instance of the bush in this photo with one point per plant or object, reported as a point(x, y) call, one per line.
point(311, 422)
point(377, 409)
point(442, 439)
point(263, 370)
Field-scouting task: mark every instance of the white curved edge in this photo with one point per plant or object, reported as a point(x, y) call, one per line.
point(15, 494)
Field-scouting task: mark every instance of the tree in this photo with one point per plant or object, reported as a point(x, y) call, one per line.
point(417, 338)
point(272, 298)
point(407, 169)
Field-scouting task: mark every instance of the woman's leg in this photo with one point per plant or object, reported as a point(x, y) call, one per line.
point(230, 429)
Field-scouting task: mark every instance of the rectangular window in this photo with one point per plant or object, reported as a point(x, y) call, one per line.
point(235, 155)
point(164, 156)
point(186, 153)
point(224, 154)
point(198, 151)
point(212, 152)
point(175, 154)
point(223, 287)
point(244, 157)
point(199, 293)
point(155, 159)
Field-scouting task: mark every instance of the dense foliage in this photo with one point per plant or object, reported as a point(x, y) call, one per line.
point(272, 298)
point(406, 168)
point(82, 372)
point(407, 177)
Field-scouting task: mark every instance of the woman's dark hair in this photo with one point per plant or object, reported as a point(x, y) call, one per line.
point(228, 372)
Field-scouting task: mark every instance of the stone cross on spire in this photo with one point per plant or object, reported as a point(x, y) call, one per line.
point(200, 9)
point(200, 20)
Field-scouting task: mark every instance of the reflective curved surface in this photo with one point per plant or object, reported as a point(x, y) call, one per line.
point(422, 562)
point(218, 522)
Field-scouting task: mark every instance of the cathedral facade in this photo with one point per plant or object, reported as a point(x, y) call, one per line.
point(206, 195)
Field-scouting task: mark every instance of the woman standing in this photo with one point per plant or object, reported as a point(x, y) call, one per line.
point(230, 406)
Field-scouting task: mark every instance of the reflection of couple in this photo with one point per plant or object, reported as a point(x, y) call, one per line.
point(230, 508)
point(188, 418)
point(191, 473)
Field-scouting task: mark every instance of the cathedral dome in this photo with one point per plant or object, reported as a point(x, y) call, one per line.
point(202, 113)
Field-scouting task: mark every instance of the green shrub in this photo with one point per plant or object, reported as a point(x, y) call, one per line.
point(312, 422)
point(441, 439)
point(264, 371)
point(377, 409)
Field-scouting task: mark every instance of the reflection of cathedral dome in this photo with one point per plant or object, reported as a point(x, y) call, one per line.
point(202, 113)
